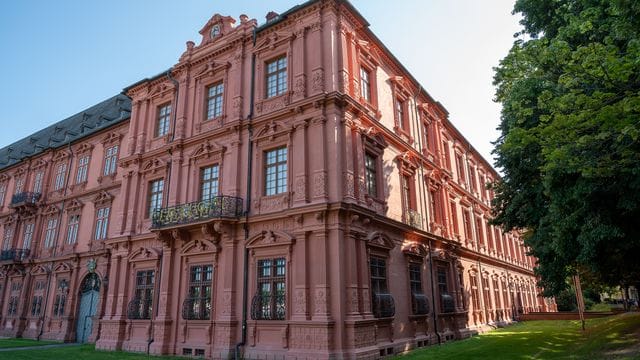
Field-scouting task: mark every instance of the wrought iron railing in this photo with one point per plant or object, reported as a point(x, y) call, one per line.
point(196, 308)
point(413, 218)
point(25, 197)
point(268, 307)
point(419, 304)
point(139, 309)
point(383, 305)
point(16, 255)
point(447, 303)
point(221, 206)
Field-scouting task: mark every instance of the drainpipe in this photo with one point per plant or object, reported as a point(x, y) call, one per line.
point(245, 269)
point(425, 206)
point(433, 298)
point(165, 201)
point(55, 246)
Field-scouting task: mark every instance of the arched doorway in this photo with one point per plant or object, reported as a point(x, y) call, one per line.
point(89, 291)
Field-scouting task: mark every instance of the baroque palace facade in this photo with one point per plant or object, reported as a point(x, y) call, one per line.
point(284, 190)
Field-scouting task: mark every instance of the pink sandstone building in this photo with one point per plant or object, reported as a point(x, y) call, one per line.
point(286, 190)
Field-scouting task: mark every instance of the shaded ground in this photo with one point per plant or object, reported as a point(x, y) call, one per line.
point(614, 337)
point(75, 352)
point(12, 343)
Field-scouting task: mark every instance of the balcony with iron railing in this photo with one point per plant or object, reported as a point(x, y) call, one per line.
point(412, 218)
point(14, 255)
point(217, 207)
point(25, 198)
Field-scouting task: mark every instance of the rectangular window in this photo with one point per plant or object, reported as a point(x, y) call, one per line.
point(163, 120)
point(426, 137)
point(28, 235)
point(275, 171)
point(276, 77)
point(371, 173)
point(36, 305)
point(50, 232)
point(12, 309)
point(475, 294)
point(454, 218)
point(19, 185)
point(407, 196)
point(110, 160)
point(61, 170)
point(365, 85)
point(102, 223)
point(466, 217)
point(83, 167)
point(214, 100)
point(479, 232)
point(401, 116)
point(61, 298)
point(7, 242)
point(198, 303)
point(433, 206)
point(72, 229)
point(472, 178)
point(37, 182)
point(209, 182)
point(270, 302)
point(3, 193)
point(446, 300)
point(447, 156)
point(460, 166)
point(496, 294)
point(142, 304)
point(156, 189)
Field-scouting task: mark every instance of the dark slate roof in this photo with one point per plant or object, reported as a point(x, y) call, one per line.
point(98, 117)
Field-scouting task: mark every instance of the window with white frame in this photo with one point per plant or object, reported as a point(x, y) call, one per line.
point(83, 166)
point(163, 120)
point(102, 223)
point(214, 100)
point(156, 189)
point(50, 232)
point(275, 171)
point(28, 235)
point(209, 182)
point(72, 228)
point(276, 77)
point(61, 170)
point(110, 160)
point(37, 182)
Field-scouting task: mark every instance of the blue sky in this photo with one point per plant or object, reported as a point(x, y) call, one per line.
point(60, 57)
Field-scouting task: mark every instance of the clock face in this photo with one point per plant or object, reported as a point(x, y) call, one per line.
point(215, 31)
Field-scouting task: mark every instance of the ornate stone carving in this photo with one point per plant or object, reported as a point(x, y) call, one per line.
point(301, 184)
point(317, 80)
point(320, 184)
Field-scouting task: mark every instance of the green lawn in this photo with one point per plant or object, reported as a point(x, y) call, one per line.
point(614, 337)
point(76, 352)
point(10, 343)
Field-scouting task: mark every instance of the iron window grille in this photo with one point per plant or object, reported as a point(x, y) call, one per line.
point(448, 305)
point(383, 304)
point(197, 306)
point(269, 303)
point(214, 100)
point(275, 171)
point(142, 304)
point(276, 77)
point(419, 301)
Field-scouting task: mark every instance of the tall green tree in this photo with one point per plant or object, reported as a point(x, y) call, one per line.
point(569, 147)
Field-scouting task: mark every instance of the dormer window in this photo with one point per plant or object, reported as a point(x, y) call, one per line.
point(215, 31)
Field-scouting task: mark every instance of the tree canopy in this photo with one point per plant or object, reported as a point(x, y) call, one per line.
point(569, 147)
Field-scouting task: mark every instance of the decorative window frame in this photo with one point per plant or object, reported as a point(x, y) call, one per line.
point(211, 73)
point(272, 135)
point(160, 94)
point(273, 45)
point(61, 157)
point(407, 166)
point(375, 144)
point(110, 140)
point(271, 244)
point(208, 153)
point(400, 93)
point(415, 253)
point(369, 62)
point(379, 245)
point(152, 170)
